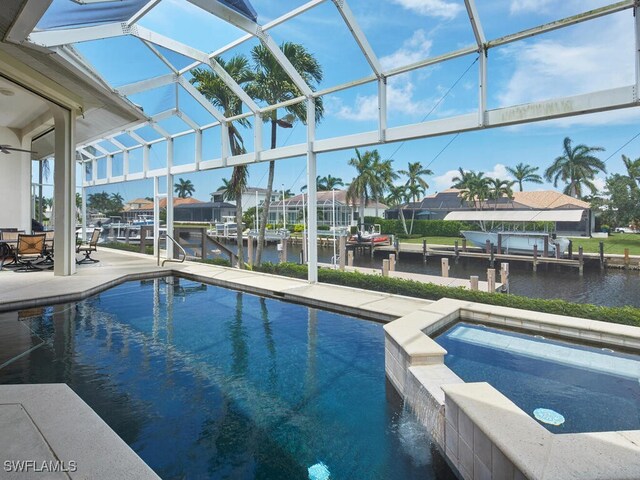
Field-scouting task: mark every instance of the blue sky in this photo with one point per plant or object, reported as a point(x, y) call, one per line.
point(591, 56)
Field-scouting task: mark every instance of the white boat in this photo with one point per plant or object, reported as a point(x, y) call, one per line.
point(518, 242)
point(226, 228)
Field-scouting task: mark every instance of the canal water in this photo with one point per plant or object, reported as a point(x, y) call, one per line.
point(611, 287)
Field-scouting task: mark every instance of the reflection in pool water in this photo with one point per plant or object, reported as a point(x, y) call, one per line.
point(206, 382)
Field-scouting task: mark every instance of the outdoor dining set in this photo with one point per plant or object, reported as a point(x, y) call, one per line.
point(22, 252)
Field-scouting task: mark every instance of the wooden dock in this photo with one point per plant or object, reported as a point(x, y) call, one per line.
point(417, 277)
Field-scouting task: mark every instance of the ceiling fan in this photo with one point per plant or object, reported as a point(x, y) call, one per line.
point(9, 149)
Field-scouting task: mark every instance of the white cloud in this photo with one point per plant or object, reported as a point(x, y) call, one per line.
point(526, 6)
point(444, 181)
point(431, 8)
point(400, 88)
point(575, 64)
point(600, 184)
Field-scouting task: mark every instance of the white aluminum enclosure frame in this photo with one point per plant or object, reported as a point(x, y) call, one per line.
point(60, 41)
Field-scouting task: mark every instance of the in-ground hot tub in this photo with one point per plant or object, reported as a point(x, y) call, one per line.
point(484, 433)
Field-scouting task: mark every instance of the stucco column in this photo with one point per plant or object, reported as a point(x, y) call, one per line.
point(64, 192)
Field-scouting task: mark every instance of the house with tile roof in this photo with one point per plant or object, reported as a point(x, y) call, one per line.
point(438, 205)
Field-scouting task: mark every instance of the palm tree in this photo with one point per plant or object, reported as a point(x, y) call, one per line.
point(365, 182)
point(577, 167)
point(397, 195)
point(44, 170)
point(463, 179)
point(633, 170)
point(475, 188)
point(271, 84)
point(184, 188)
point(386, 176)
point(224, 186)
point(525, 173)
point(414, 174)
point(499, 188)
point(330, 183)
point(217, 92)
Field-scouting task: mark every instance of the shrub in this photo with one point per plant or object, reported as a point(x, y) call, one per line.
point(429, 291)
point(422, 228)
point(148, 249)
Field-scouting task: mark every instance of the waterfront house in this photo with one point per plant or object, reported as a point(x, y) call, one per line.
point(438, 205)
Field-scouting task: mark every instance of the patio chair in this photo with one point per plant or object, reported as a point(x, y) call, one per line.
point(89, 248)
point(8, 243)
point(29, 252)
point(48, 247)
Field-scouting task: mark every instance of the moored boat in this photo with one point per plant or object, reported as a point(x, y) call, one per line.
point(518, 242)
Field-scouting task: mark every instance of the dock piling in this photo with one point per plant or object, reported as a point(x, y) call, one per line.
point(350, 258)
point(445, 267)
point(473, 282)
point(424, 250)
point(570, 250)
point(464, 245)
point(456, 251)
point(535, 257)
point(342, 251)
point(385, 267)
point(504, 276)
point(580, 260)
point(491, 256)
point(491, 280)
point(371, 247)
point(626, 258)
point(487, 247)
point(499, 243)
point(392, 262)
point(545, 251)
point(249, 251)
point(557, 250)
point(601, 255)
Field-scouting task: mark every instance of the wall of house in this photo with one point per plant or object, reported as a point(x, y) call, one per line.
point(15, 185)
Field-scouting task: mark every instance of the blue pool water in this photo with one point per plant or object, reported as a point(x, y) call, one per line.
point(205, 382)
point(594, 389)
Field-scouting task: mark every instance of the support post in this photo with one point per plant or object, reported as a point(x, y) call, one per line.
point(570, 250)
point(250, 251)
point(491, 280)
point(491, 256)
point(203, 243)
point(385, 267)
point(156, 216)
point(312, 250)
point(504, 276)
point(304, 247)
point(487, 247)
point(464, 245)
point(350, 258)
point(558, 253)
point(601, 248)
point(170, 247)
point(445, 267)
point(424, 250)
point(64, 191)
point(456, 251)
point(545, 251)
point(473, 280)
point(342, 243)
point(285, 248)
point(580, 261)
point(499, 243)
point(392, 262)
point(535, 257)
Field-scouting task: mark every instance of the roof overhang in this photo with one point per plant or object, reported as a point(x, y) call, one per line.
point(573, 215)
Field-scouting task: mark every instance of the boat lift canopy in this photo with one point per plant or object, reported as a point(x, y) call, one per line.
point(571, 215)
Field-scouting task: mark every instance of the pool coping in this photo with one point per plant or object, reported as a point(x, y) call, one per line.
point(483, 433)
point(51, 423)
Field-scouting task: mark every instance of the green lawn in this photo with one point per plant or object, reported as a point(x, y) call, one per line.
point(616, 243)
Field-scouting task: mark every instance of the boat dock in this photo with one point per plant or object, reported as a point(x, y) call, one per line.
point(490, 254)
point(418, 277)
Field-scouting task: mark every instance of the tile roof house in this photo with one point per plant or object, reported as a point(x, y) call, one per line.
point(438, 205)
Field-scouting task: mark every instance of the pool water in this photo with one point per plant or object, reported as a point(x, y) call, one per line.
point(594, 389)
point(206, 382)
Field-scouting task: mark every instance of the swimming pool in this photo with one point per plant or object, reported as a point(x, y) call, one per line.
point(594, 389)
point(207, 382)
